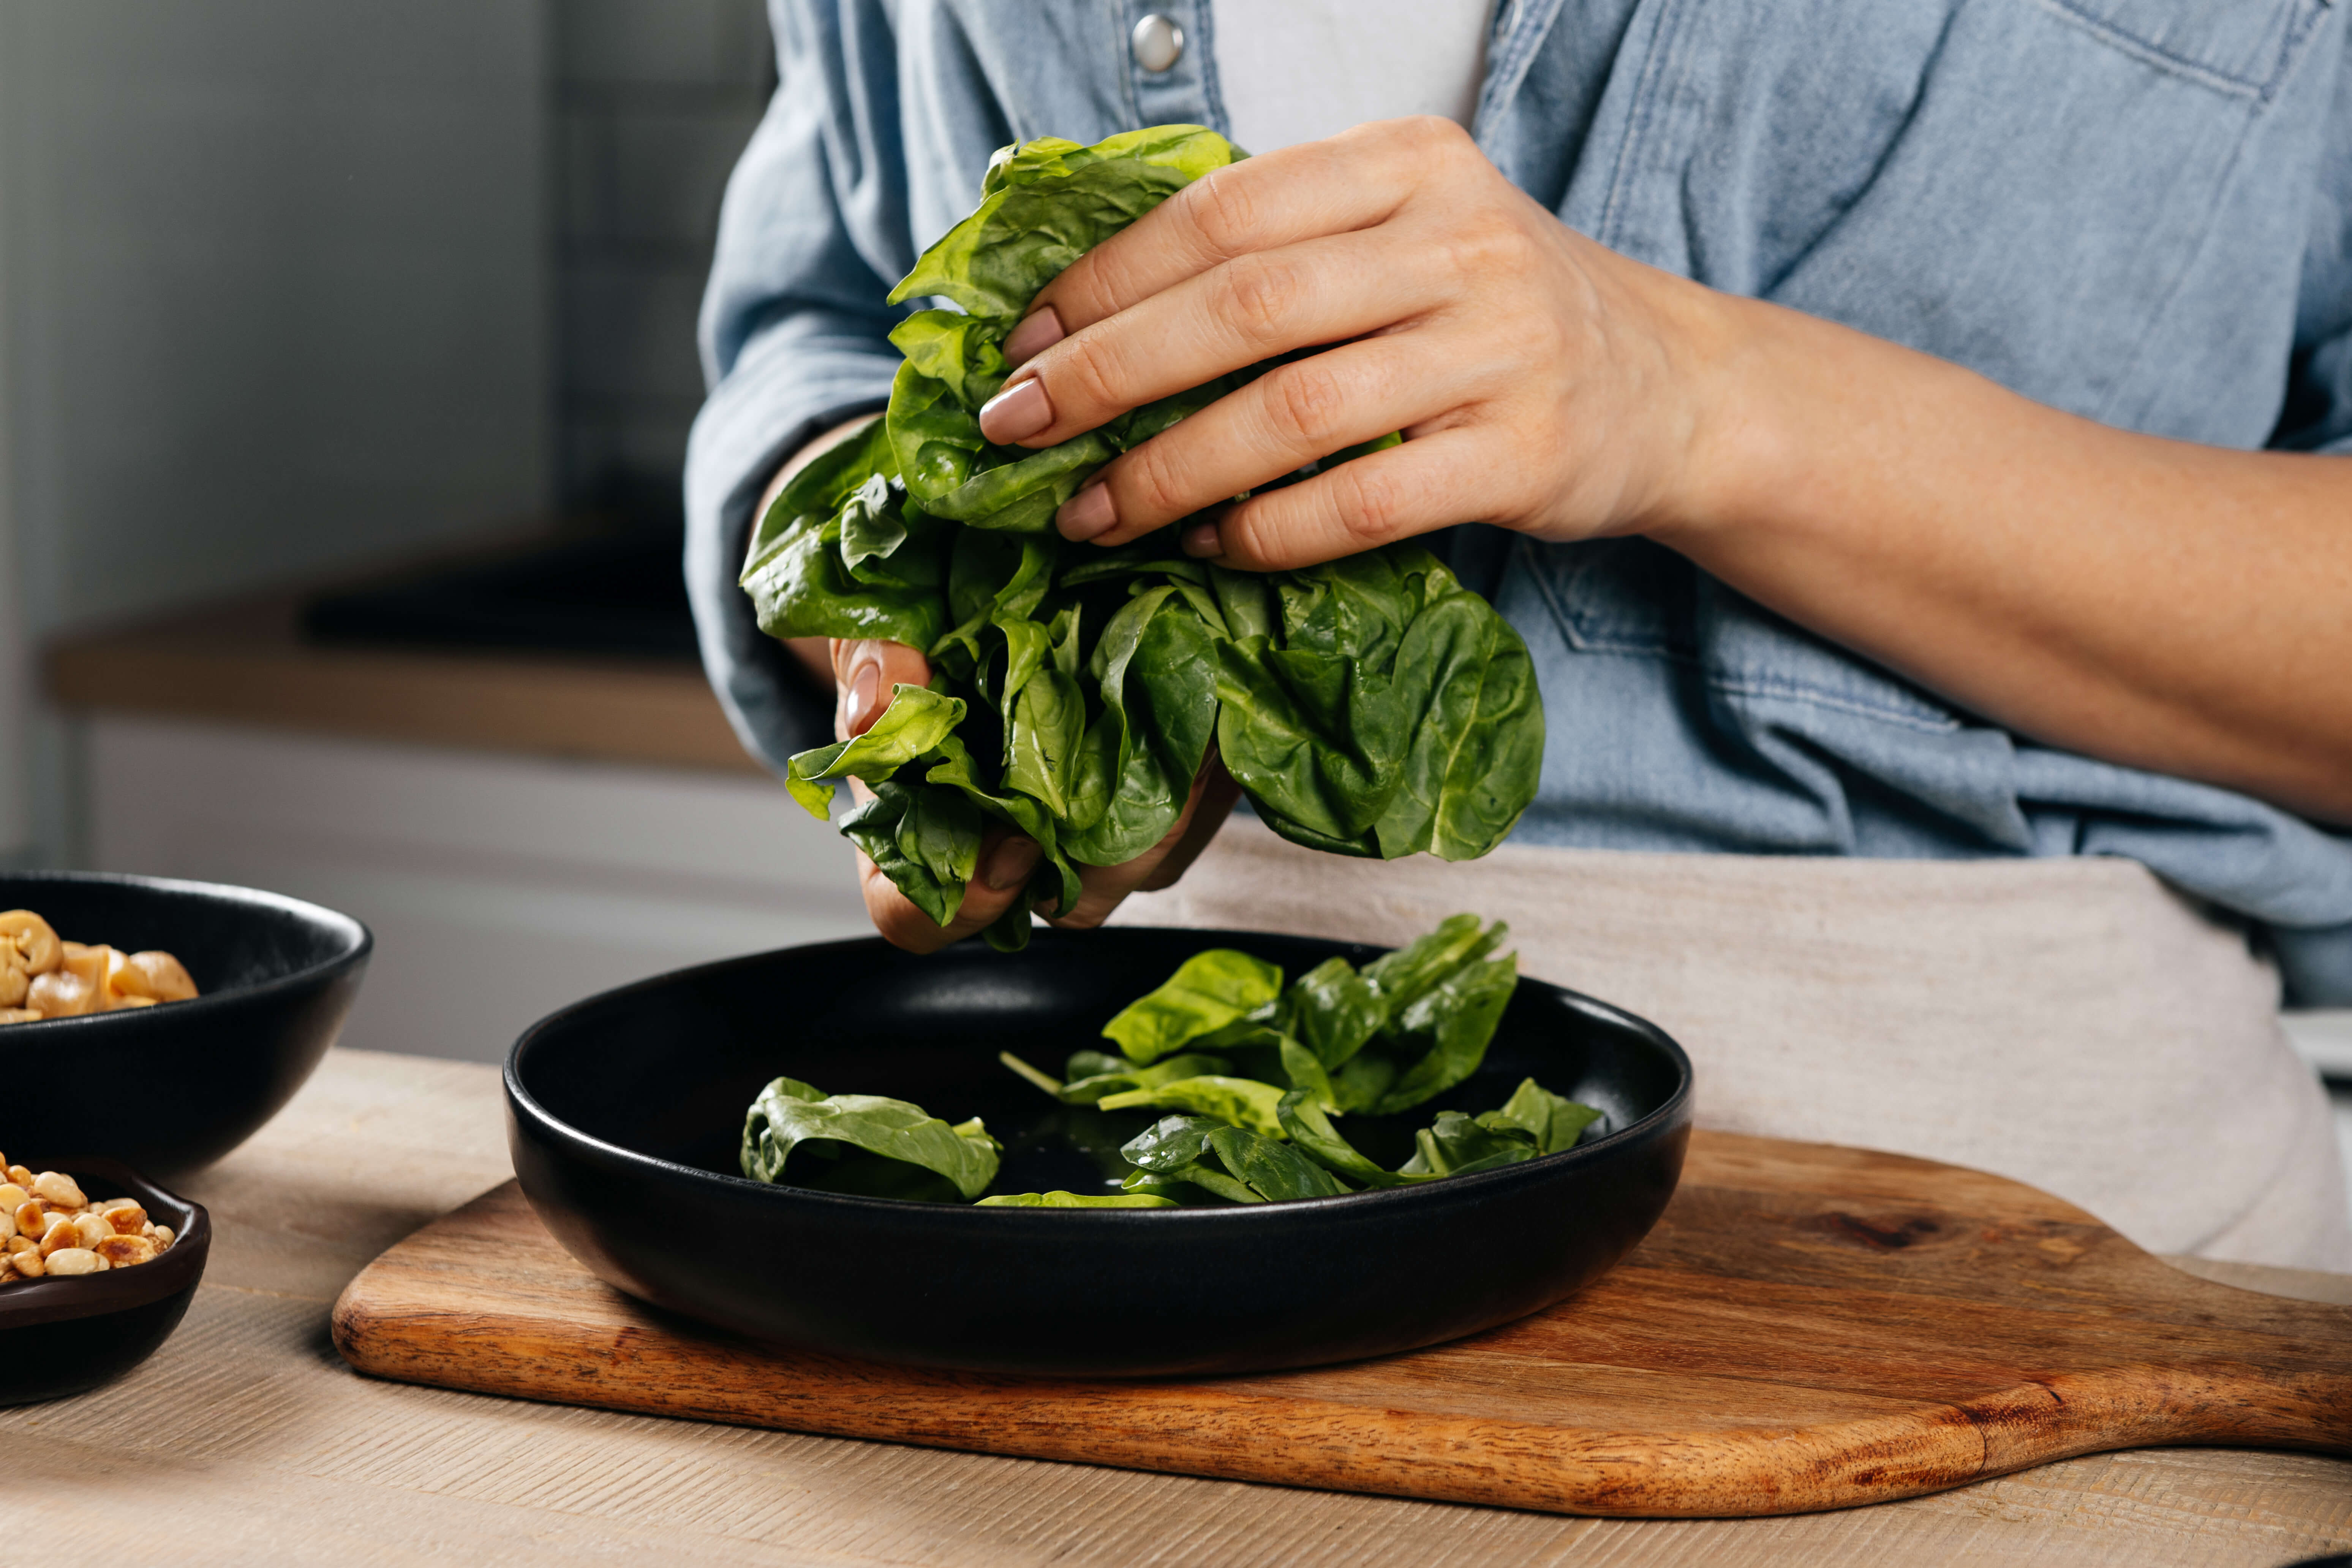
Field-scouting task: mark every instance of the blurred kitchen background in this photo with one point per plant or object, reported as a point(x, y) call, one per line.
point(300, 305)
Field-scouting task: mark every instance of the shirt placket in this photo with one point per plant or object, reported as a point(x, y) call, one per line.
point(1184, 90)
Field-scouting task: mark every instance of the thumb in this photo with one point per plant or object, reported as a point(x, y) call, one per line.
point(864, 671)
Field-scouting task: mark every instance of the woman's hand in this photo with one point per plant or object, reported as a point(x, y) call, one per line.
point(2156, 604)
point(1543, 382)
point(864, 675)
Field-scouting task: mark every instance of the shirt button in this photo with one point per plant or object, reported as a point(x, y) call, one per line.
point(1157, 43)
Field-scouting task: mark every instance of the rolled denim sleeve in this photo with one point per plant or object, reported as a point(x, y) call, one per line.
point(812, 236)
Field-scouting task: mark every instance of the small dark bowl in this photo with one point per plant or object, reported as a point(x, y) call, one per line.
point(625, 1113)
point(63, 1336)
point(171, 1088)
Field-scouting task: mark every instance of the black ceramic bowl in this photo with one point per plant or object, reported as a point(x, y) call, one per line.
point(170, 1089)
point(625, 1112)
point(62, 1336)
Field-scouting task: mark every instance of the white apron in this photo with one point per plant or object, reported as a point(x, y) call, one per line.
point(2072, 1022)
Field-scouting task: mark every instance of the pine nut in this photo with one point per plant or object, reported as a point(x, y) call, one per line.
point(56, 1187)
point(55, 1229)
point(123, 1251)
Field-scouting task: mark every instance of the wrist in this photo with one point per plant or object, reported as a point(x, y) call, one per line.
point(1747, 390)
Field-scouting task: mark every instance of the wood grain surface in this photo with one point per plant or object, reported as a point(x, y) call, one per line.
point(246, 1440)
point(1809, 1328)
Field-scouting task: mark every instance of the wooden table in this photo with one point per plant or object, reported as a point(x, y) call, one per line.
point(246, 1440)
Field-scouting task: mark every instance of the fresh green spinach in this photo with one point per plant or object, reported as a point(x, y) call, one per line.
point(1253, 1123)
point(790, 1115)
point(1370, 706)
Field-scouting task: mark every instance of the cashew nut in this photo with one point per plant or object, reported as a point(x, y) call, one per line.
point(62, 993)
point(154, 974)
point(33, 937)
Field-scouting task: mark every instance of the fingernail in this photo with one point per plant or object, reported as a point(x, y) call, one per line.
point(1010, 863)
point(1021, 409)
point(864, 694)
point(1200, 540)
point(1087, 513)
point(1038, 331)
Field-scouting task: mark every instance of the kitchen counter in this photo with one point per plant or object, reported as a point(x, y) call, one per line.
point(246, 1440)
point(246, 663)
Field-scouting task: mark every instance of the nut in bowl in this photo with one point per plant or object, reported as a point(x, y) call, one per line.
point(42, 975)
point(195, 1014)
point(101, 1266)
point(51, 1228)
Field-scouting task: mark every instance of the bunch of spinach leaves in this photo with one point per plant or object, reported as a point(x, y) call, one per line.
point(1253, 1071)
point(1370, 706)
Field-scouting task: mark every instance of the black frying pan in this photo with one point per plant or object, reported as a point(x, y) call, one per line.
point(624, 1114)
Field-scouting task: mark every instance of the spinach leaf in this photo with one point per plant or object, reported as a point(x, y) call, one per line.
point(790, 1115)
point(1457, 1145)
point(1061, 1199)
point(1335, 1011)
point(1127, 1076)
point(1276, 1171)
point(1257, 1168)
point(1554, 1121)
point(1402, 976)
point(917, 720)
point(1170, 1143)
point(1312, 1131)
point(1459, 1018)
point(1302, 1070)
point(1208, 1178)
point(925, 839)
point(1360, 1085)
point(1208, 991)
point(1243, 1101)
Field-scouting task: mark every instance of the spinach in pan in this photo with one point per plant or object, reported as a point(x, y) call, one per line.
point(1253, 1072)
point(864, 1144)
point(1370, 706)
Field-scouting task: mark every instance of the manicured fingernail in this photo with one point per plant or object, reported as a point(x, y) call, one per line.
point(1087, 513)
point(1200, 540)
point(865, 692)
point(1021, 409)
point(1038, 331)
point(1010, 863)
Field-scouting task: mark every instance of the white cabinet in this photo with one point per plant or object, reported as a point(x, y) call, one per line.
point(499, 887)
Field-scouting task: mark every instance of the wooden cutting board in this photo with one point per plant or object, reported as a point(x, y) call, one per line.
point(1809, 1327)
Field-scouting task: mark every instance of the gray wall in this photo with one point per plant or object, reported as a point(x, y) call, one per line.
point(277, 288)
point(654, 99)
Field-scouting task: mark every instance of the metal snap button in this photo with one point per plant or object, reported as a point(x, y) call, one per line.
point(1156, 42)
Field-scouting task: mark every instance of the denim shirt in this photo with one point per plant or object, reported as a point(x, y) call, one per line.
point(2137, 210)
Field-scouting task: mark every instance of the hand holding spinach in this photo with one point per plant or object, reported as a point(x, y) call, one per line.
point(1369, 706)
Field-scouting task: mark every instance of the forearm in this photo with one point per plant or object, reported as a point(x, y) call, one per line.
point(2182, 608)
